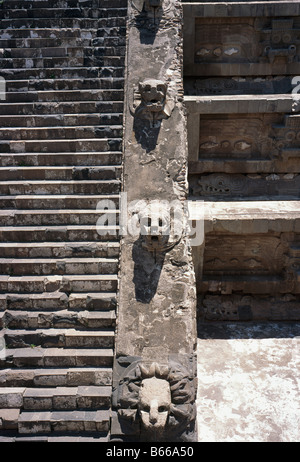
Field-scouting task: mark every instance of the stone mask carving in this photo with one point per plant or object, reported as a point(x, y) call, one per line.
point(153, 93)
point(154, 403)
point(159, 232)
point(157, 399)
point(154, 103)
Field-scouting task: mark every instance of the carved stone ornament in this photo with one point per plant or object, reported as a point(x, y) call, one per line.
point(160, 226)
point(160, 398)
point(151, 101)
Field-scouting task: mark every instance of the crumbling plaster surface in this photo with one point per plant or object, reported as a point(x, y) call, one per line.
point(248, 382)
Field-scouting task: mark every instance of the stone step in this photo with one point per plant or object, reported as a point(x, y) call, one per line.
point(16, 63)
point(64, 4)
point(59, 233)
point(62, 73)
point(58, 338)
point(67, 173)
point(61, 23)
point(58, 301)
point(57, 357)
point(8, 421)
point(48, 266)
point(64, 421)
point(56, 217)
point(53, 439)
point(77, 61)
point(59, 249)
point(69, 107)
point(48, 52)
point(61, 120)
point(62, 13)
point(59, 187)
point(58, 159)
point(29, 4)
point(69, 377)
point(61, 41)
point(82, 397)
point(69, 51)
point(61, 145)
point(104, 61)
point(64, 96)
point(66, 283)
point(71, 34)
point(63, 202)
point(59, 398)
point(11, 319)
point(41, 43)
point(55, 133)
point(104, 83)
point(10, 33)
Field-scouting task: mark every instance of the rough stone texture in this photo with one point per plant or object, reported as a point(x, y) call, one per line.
point(248, 376)
point(156, 318)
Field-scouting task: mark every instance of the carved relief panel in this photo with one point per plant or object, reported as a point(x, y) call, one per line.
point(220, 186)
point(238, 278)
point(237, 255)
point(225, 40)
point(256, 264)
point(237, 136)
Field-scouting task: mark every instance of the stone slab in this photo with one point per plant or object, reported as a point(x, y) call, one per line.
point(248, 382)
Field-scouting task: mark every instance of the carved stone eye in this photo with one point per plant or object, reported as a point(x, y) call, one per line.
point(162, 409)
point(276, 38)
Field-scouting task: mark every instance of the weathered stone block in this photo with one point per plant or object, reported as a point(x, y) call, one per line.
point(9, 419)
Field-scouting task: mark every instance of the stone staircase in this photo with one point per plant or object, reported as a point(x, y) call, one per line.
point(60, 154)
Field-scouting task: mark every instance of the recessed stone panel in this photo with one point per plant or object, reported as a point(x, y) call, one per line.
point(251, 263)
point(249, 144)
point(241, 41)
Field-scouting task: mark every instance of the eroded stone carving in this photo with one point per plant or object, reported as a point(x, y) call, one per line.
point(158, 398)
point(281, 40)
point(152, 102)
point(263, 41)
point(237, 137)
point(254, 254)
point(287, 136)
